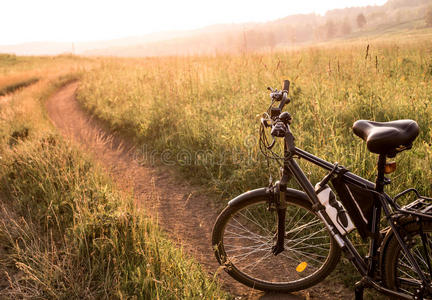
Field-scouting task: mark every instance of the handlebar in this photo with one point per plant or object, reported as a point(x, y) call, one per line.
point(285, 92)
point(281, 121)
point(282, 95)
point(286, 85)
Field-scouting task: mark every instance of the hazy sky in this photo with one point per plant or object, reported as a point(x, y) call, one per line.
point(85, 20)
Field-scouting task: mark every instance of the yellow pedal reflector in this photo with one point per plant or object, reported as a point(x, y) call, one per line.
point(390, 167)
point(301, 267)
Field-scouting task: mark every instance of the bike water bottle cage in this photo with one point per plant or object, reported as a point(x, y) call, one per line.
point(387, 138)
point(337, 169)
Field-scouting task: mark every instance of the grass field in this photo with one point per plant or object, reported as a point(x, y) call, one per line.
point(65, 229)
point(202, 113)
point(69, 232)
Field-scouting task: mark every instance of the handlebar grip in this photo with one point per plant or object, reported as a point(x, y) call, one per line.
point(286, 85)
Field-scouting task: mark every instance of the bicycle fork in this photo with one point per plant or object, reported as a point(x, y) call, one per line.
point(281, 206)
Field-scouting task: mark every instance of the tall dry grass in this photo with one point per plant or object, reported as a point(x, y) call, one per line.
point(66, 231)
point(201, 113)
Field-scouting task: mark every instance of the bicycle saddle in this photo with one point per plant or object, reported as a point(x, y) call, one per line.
point(387, 137)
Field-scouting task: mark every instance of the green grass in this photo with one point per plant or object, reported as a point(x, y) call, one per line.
point(201, 112)
point(17, 85)
point(67, 232)
point(78, 237)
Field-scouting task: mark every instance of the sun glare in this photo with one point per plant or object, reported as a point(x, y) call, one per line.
point(77, 21)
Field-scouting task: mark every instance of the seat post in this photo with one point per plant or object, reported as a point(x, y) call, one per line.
point(379, 185)
point(376, 216)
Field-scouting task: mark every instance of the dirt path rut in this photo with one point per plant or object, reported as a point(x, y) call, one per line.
point(180, 209)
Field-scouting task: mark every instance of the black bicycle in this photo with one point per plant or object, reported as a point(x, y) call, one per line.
point(281, 239)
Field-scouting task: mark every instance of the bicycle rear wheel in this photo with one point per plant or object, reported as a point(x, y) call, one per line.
point(398, 273)
point(243, 237)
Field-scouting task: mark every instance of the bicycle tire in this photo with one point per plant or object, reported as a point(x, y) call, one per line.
point(395, 266)
point(300, 280)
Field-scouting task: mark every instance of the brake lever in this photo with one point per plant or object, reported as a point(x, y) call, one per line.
point(265, 123)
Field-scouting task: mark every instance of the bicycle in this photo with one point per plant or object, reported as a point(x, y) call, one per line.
point(281, 239)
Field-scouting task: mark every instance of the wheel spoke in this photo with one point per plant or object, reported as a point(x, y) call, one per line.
point(311, 235)
point(254, 222)
point(293, 218)
point(250, 234)
point(406, 278)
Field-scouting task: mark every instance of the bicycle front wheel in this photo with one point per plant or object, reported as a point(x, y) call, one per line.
point(243, 237)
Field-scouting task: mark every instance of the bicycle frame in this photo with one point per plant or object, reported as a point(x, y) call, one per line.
point(367, 266)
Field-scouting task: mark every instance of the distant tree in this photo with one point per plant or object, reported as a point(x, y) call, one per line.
point(330, 29)
point(428, 17)
point(346, 27)
point(361, 20)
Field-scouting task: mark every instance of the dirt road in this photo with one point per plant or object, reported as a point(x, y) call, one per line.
point(182, 210)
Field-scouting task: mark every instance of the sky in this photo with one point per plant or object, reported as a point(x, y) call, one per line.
point(92, 20)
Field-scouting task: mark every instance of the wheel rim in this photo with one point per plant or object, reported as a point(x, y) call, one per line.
point(250, 233)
